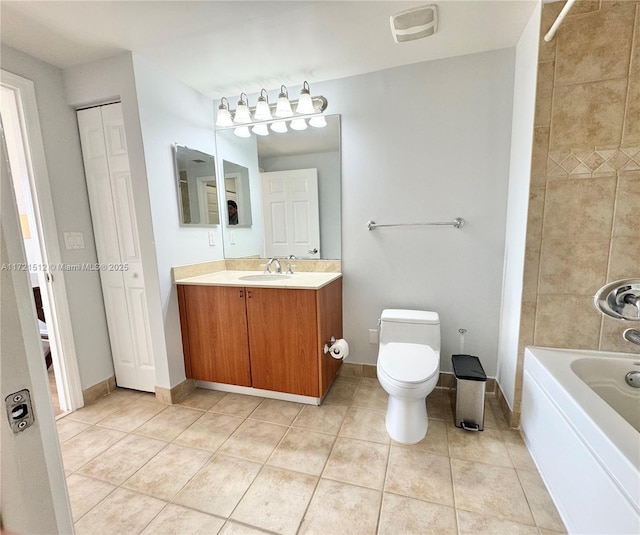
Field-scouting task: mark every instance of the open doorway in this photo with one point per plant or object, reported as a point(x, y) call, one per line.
point(31, 186)
point(10, 111)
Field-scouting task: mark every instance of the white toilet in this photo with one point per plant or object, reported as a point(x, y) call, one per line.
point(408, 369)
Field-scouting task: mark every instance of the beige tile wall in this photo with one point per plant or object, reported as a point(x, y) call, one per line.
point(584, 208)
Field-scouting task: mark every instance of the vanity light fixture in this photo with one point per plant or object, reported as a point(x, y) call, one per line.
point(283, 108)
point(243, 115)
point(260, 129)
point(242, 131)
point(305, 104)
point(263, 111)
point(298, 124)
point(318, 121)
point(265, 116)
point(279, 126)
point(224, 115)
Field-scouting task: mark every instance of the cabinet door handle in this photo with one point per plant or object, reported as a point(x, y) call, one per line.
point(241, 293)
point(249, 294)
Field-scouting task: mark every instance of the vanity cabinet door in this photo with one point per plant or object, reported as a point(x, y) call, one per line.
point(329, 324)
point(283, 340)
point(216, 344)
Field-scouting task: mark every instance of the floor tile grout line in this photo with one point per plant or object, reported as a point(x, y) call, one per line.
point(264, 463)
point(384, 486)
point(335, 440)
point(315, 488)
point(97, 454)
point(453, 482)
point(528, 500)
point(97, 504)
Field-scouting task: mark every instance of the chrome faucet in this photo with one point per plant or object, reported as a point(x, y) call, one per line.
point(273, 261)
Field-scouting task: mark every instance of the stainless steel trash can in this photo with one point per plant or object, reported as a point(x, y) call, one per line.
point(471, 384)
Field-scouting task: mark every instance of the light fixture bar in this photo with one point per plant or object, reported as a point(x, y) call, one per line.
point(265, 113)
point(319, 103)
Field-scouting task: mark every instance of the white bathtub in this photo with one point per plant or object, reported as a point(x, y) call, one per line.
point(578, 418)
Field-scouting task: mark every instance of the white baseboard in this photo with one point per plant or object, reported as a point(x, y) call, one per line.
point(250, 391)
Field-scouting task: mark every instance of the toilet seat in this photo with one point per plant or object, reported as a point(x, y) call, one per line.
point(408, 364)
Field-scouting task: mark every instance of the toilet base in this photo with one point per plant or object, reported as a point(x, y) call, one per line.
point(406, 419)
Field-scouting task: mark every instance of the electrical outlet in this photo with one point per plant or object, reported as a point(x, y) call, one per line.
point(373, 336)
point(212, 238)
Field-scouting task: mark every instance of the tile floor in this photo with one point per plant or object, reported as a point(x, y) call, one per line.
point(232, 464)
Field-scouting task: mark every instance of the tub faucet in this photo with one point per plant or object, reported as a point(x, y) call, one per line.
point(273, 261)
point(632, 335)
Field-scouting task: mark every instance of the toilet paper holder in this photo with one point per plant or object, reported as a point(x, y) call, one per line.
point(337, 349)
point(328, 345)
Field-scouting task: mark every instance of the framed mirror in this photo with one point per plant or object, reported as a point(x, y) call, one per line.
point(294, 180)
point(196, 187)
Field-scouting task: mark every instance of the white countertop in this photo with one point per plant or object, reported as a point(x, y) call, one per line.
point(300, 281)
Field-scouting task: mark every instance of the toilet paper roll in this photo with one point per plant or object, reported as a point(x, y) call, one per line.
point(339, 349)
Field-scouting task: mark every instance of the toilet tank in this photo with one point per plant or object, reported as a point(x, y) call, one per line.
point(413, 326)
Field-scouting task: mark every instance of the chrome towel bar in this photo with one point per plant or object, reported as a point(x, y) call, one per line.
point(458, 222)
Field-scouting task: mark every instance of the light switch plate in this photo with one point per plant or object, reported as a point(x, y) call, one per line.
point(232, 237)
point(212, 238)
point(74, 240)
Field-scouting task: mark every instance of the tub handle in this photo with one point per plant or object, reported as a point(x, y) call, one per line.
point(620, 299)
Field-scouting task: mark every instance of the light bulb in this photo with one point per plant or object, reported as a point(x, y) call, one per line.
point(261, 130)
point(242, 131)
point(283, 107)
point(305, 102)
point(298, 124)
point(318, 122)
point(279, 126)
point(243, 115)
point(263, 111)
point(224, 115)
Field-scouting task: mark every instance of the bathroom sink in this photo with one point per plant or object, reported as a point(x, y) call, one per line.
point(265, 277)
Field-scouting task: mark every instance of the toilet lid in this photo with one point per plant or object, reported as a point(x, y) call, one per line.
point(409, 363)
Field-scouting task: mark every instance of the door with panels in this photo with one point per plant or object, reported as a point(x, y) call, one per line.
point(291, 213)
point(106, 162)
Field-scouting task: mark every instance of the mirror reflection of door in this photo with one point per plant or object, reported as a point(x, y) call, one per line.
point(237, 194)
point(231, 192)
point(313, 148)
point(291, 214)
point(208, 200)
point(197, 190)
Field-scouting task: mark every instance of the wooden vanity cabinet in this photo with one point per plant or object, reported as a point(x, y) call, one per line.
point(270, 338)
point(214, 334)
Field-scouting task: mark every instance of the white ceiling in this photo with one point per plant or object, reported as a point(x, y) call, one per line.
point(225, 47)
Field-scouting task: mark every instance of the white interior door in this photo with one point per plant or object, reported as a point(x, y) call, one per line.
point(291, 214)
point(53, 289)
point(106, 161)
point(34, 495)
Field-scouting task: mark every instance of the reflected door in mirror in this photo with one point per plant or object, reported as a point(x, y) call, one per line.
point(291, 215)
point(197, 189)
point(237, 192)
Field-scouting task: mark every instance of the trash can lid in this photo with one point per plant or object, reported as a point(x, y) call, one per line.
point(468, 367)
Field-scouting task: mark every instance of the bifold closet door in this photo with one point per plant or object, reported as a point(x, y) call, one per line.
point(106, 162)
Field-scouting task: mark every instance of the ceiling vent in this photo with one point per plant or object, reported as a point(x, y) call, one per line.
point(415, 23)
